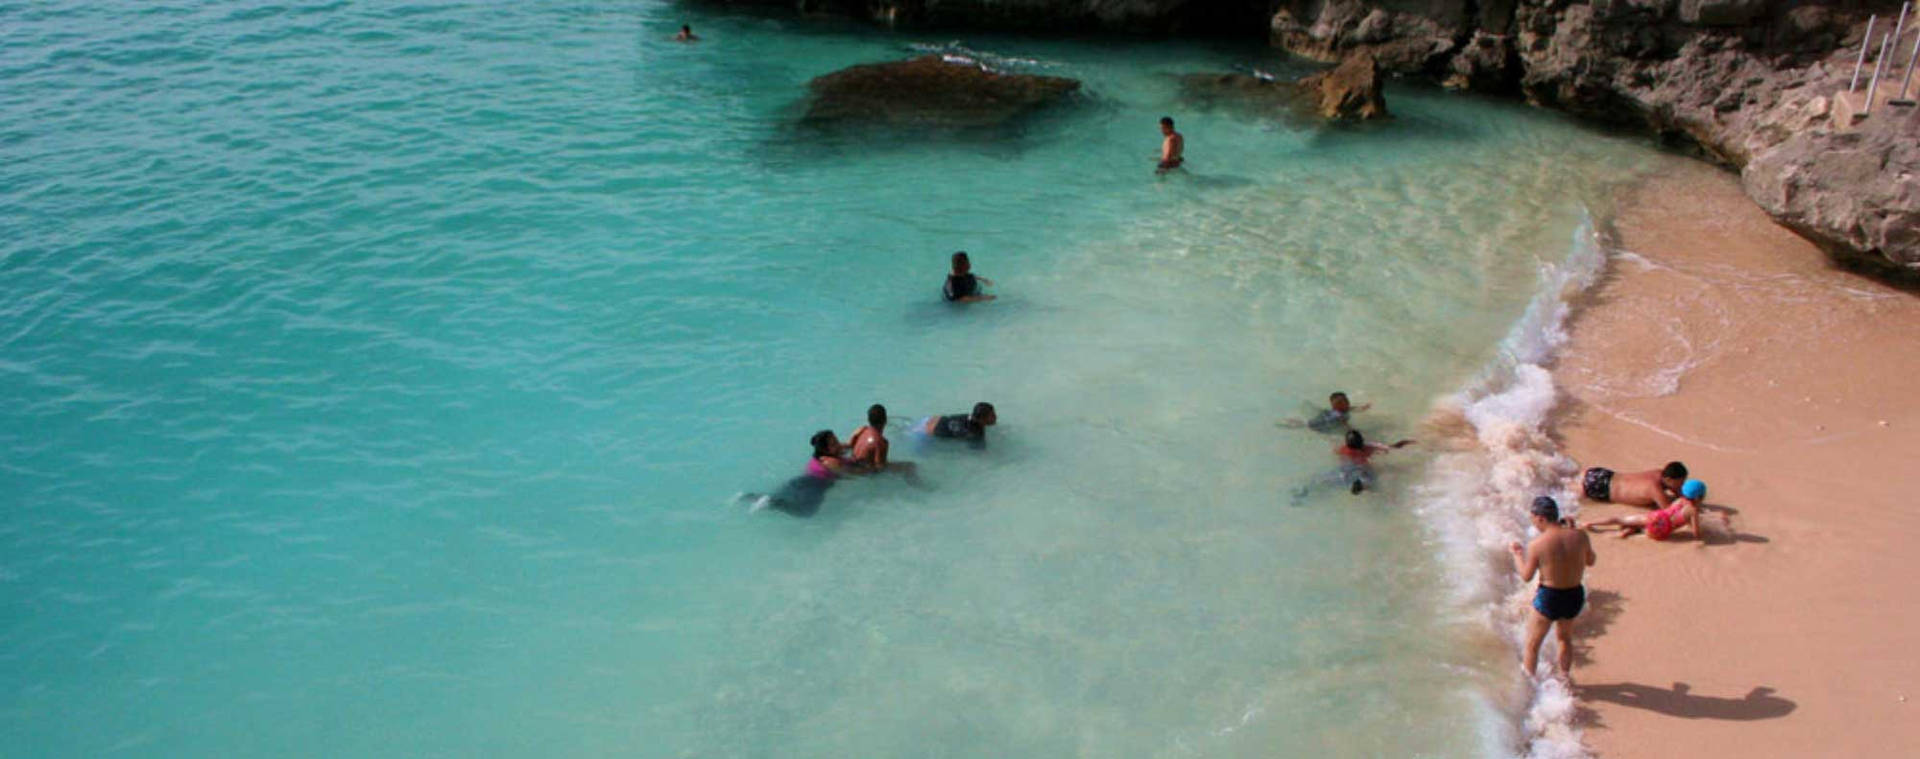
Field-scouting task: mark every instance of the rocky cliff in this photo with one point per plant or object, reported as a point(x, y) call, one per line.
point(1750, 83)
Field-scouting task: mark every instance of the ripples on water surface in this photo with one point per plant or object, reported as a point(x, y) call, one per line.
point(374, 379)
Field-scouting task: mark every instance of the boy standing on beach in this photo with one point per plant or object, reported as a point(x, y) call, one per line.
point(1561, 555)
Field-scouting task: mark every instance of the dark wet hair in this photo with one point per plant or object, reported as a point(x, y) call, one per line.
point(980, 411)
point(877, 416)
point(822, 443)
point(1674, 471)
point(960, 255)
point(1545, 508)
point(685, 28)
point(1336, 397)
point(1166, 121)
point(1354, 440)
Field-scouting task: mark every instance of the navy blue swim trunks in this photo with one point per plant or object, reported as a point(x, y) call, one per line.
point(1560, 603)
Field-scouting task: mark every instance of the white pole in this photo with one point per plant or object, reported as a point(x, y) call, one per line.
point(1855, 84)
point(1898, 26)
point(1910, 56)
point(1878, 63)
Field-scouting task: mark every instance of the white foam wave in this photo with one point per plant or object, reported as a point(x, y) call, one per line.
point(957, 52)
point(1475, 496)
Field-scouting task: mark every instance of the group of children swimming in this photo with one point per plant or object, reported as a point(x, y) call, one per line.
point(1354, 452)
point(866, 452)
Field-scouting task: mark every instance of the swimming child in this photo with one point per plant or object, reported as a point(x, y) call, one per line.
point(969, 427)
point(962, 286)
point(1355, 472)
point(870, 446)
point(1331, 419)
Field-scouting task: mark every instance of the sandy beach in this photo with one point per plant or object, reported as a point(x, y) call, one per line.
point(1722, 340)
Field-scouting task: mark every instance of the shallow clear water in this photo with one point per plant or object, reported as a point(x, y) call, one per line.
point(375, 381)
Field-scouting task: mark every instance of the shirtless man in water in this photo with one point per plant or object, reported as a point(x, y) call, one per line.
point(869, 446)
point(1561, 555)
point(686, 35)
point(1655, 488)
point(1172, 149)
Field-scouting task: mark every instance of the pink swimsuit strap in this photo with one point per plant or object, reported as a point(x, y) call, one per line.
point(819, 471)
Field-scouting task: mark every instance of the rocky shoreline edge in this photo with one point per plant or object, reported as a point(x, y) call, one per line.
point(1763, 87)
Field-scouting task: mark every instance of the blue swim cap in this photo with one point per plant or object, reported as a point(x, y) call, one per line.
point(1694, 490)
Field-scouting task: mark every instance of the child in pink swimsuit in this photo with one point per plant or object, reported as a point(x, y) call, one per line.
point(1661, 524)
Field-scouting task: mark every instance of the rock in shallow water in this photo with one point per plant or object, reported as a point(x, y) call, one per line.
point(1350, 91)
point(931, 90)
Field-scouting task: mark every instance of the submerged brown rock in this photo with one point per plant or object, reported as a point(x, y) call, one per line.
point(931, 91)
point(1350, 91)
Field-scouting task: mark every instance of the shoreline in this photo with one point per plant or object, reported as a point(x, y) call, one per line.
point(1715, 337)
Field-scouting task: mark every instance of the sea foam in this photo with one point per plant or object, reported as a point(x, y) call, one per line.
point(1474, 495)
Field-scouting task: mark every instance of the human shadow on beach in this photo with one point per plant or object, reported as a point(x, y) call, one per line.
point(1603, 607)
point(1679, 701)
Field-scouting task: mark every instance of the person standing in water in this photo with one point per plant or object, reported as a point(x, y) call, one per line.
point(1560, 555)
point(686, 35)
point(1173, 147)
point(962, 286)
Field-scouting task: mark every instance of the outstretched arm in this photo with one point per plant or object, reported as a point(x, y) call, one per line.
point(1403, 443)
point(1524, 561)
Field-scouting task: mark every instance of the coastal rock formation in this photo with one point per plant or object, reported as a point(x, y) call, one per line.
point(1350, 91)
point(931, 90)
point(1747, 82)
point(1848, 190)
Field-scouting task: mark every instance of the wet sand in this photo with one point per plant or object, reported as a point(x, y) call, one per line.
point(1793, 390)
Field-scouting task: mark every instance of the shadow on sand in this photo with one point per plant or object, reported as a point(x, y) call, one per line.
point(1603, 607)
point(1725, 533)
point(1679, 701)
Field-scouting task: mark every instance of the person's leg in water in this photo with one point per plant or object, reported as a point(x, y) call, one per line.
point(1537, 625)
point(800, 497)
point(1358, 477)
point(1349, 477)
point(1563, 634)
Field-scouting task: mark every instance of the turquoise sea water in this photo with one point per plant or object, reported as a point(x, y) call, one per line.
point(375, 380)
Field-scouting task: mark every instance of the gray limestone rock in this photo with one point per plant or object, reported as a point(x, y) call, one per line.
point(1855, 192)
